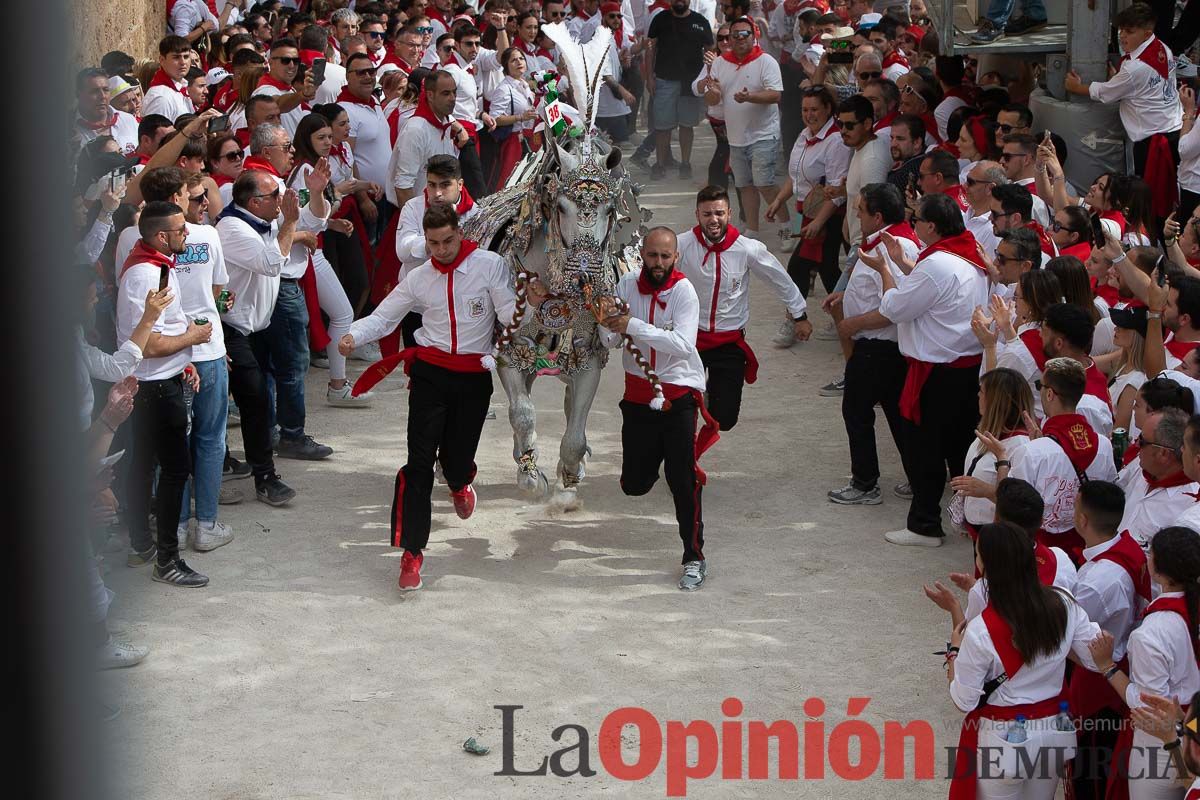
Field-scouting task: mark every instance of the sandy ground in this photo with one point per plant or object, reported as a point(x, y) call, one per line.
point(301, 671)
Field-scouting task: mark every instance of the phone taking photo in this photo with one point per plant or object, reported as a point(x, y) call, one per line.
point(318, 71)
point(218, 124)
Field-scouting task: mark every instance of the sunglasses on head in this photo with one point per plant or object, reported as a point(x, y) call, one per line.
point(286, 60)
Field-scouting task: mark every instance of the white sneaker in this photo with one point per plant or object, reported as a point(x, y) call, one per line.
point(367, 352)
point(828, 333)
point(786, 337)
point(182, 533)
point(118, 655)
point(344, 397)
point(211, 538)
point(906, 537)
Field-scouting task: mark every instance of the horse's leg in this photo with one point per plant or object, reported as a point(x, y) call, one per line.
point(521, 416)
point(580, 393)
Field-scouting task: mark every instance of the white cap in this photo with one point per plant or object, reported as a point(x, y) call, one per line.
point(216, 75)
point(117, 86)
point(869, 20)
point(838, 33)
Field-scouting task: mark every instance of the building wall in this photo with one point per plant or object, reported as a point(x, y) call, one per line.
point(98, 26)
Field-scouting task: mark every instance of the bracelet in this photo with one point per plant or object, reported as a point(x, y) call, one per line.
point(1119, 258)
point(110, 427)
point(1170, 240)
point(1172, 745)
point(1113, 670)
point(1153, 315)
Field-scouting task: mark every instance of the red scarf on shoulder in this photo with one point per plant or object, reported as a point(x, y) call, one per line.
point(1076, 437)
point(754, 53)
point(143, 253)
point(163, 79)
point(425, 111)
point(962, 245)
point(346, 96)
point(646, 287)
point(260, 163)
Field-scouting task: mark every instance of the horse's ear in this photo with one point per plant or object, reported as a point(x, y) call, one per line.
point(613, 159)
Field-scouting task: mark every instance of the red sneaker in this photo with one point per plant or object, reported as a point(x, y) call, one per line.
point(410, 571)
point(464, 501)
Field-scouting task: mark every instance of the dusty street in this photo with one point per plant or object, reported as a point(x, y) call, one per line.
point(301, 671)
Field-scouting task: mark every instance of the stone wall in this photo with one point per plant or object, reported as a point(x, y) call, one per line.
point(98, 26)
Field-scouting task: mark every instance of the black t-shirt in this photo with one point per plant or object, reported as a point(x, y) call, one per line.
point(679, 45)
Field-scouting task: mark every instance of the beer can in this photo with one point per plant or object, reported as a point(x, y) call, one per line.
point(303, 196)
point(223, 300)
point(201, 320)
point(1120, 443)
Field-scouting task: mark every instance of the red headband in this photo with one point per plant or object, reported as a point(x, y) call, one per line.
point(610, 8)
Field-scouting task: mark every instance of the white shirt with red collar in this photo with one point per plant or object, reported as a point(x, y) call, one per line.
point(417, 141)
point(864, 289)
point(1190, 517)
point(170, 101)
point(980, 226)
point(1145, 88)
point(458, 308)
point(721, 279)
point(119, 125)
point(410, 233)
point(820, 159)
point(378, 56)
point(1065, 578)
point(269, 87)
point(746, 123)
point(1150, 509)
point(1041, 212)
point(135, 283)
point(1107, 593)
point(1161, 660)
point(932, 308)
point(1044, 464)
point(468, 81)
point(665, 335)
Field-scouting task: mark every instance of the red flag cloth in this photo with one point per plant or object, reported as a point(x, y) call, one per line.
point(962, 245)
point(318, 337)
point(143, 253)
point(1075, 436)
point(1161, 176)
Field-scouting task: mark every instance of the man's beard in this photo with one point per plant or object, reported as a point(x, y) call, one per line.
point(1048, 354)
point(656, 282)
point(720, 236)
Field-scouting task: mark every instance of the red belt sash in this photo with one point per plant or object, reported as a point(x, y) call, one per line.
point(641, 391)
point(1090, 693)
point(963, 783)
point(455, 362)
point(708, 340)
point(918, 374)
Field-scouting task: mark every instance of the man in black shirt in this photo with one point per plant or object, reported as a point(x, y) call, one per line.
point(908, 150)
point(680, 38)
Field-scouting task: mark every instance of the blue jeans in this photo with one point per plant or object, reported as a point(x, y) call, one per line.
point(1000, 11)
point(287, 340)
point(210, 411)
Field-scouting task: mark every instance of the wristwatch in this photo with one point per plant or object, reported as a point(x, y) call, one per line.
point(1003, 462)
point(802, 318)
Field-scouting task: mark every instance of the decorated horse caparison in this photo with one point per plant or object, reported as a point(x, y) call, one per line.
point(569, 215)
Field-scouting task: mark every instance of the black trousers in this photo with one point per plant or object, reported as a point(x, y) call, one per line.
point(726, 367)
point(1187, 204)
point(791, 120)
point(949, 417)
point(472, 171)
point(874, 374)
point(652, 438)
point(1142, 149)
point(159, 423)
point(830, 268)
point(345, 254)
point(248, 385)
point(446, 411)
point(409, 325)
point(1093, 759)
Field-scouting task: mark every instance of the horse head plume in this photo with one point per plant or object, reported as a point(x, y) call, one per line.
point(584, 64)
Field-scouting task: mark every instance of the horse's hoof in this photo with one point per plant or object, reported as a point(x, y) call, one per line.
point(534, 485)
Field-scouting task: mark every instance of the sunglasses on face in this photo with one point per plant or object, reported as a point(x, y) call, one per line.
point(200, 198)
point(742, 34)
point(234, 155)
point(1006, 129)
point(1057, 226)
point(850, 125)
point(364, 71)
point(1007, 156)
point(273, 195)
point(286, 61)
point(867, 76)
point(425, 29)
point(375, 34)
point(975, 182)
point(722, 37)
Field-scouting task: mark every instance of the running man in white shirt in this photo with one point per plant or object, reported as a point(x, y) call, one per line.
point(461, 292)
point(662, 320)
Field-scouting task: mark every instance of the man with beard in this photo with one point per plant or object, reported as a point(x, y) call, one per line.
point(661, 319)
point(278, 80)
point(718, 261)
point(908, 150)
point(680, 39)
point(159, 413)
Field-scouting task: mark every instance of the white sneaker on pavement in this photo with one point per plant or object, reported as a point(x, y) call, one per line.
point(827, 333)
point(182, 533)
point(210, 538)
point(118, 655)
point(786, 336)
point(344, 397)
point(368, 352)
point(906, 537)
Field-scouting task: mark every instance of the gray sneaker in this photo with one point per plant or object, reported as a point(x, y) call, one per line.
point(849, 495)
point(178, 573)
point(206, 538)
point(827, 332)
point(834, 388)
point(903, 491)
point(786, 336)
point(693, 575)
point(304, 449)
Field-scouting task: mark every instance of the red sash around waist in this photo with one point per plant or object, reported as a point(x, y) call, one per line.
point(456, 362)
point(641, 391)
point(707, 340)
point(963, 783)
point(914, 382)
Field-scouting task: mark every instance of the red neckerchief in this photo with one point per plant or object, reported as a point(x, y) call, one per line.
point(1047, 563)
point(754, 53)
point(346, 96)
point(1179, 606)
point(465, 202)
point(662, 5)
point(163, 79)
point(533, 50)
point(1177, 348)
point(425, 112)
point(220, 180)
point(900, 230)
point(1076, 438)
point(1032, 339)
point(964, 93)
point(790, 7)
point(398, 62)
point(433, 13)
point(267, 80)
point(931, 126)
point(581, 13)
point(307, 57)
point(1044, 240)
point(1154, 55)
point(1117, 217)
point(1097, 384)
point(1169, 482)
point(80, 122)
point(1129, 556)
point(1081, 250)
point(955, 193)
point(886, 122)
point(962, 245)
point(645, 287)
point(731, 236)
point(142, 253)
point(225, 97)
point(465, 250)
point(895, 57)
point(1002, 640)
point(341, 152)
point(258, 162)
point(815, 141)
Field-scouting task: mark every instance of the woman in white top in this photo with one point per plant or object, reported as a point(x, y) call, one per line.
point(314, 141)
point(819, 158)
point(1162, 657)
point(1128, 376)
point(1077, 290)
point(1009, 662)
point(1005, 400)
point(1189, 156)
point(513, 106)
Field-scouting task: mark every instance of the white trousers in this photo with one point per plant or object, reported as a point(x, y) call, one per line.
point(334, 302)
point(1004, 777)
point(1152, 773)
